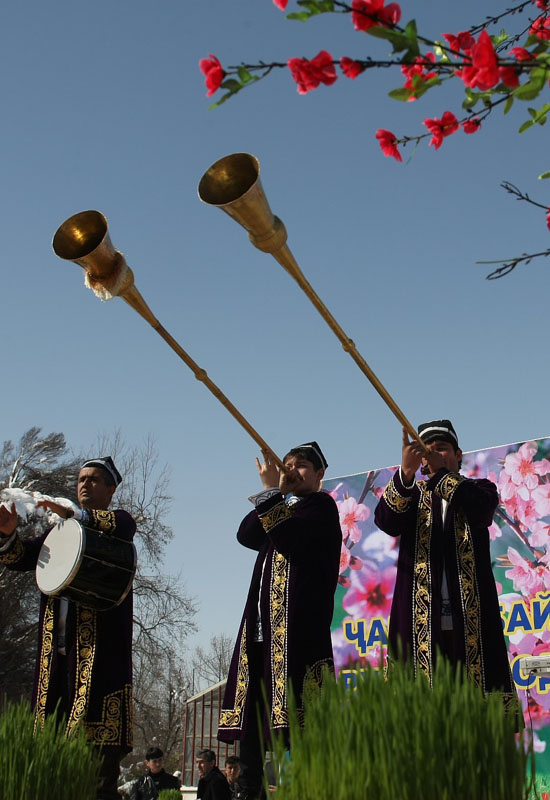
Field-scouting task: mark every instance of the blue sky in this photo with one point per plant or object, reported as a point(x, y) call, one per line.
point(104, 107)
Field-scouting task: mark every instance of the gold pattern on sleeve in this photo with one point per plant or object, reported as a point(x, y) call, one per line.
point(448, 485)
point(103, 520)
point(279, 635)
point(86, 627)
point(44, 665)
point(279, 513)
point(396, 501)
point(469, 595)
point(14, 554)
point(232, 717)
point(422, 588)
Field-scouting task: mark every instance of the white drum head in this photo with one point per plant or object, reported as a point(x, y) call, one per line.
point(59, 557)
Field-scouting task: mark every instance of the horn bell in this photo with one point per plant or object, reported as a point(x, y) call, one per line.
point(84, 239)
point(233, 185)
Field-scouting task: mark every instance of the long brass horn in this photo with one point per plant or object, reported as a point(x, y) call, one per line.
point(233, 185)
point(84, 239)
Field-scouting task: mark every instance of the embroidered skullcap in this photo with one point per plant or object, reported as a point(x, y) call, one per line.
point(107, 463)
point(438, 430)
point(316, 449)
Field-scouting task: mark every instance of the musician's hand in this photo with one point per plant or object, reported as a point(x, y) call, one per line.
point(8, 520)
point(290, 481)
point(411, 457)
point(268, 471)
point(57, 508)
point(433, 462)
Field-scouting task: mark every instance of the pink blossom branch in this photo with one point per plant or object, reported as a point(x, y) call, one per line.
point(516, 528)
point(369, 483)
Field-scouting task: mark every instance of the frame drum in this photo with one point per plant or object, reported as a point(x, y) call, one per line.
point(90, 567)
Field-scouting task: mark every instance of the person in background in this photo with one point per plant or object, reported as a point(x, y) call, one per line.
point(155, 779)
point(213, 784)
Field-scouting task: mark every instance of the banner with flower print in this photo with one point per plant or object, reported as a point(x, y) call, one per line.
point(520, 550)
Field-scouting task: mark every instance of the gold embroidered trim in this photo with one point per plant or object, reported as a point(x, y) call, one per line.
point(232, 717)
point(312, 684)
point(13, 555)
point(86, 626)
point(103, 520)
point(279, 513)
point(394, 500)
point(469, 596)
point(108, 732)
point(422, 587)
point(45, 664)
point(448, 485)
point(279, 632)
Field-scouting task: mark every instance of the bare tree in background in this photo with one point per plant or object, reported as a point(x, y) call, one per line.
point(212, 665)
point(37, 463)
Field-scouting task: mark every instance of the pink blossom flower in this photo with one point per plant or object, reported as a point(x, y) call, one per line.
point(539, 534)
point(521, 54)
point(351, 68)
point(526, 578)
point(213, 72)
point(351, 512)
point(541, 497)
point(345, 556)
point(309, 74)
point(483, 71)
point(509, 76)
point(368, 13)
point(522, 469)
point(440, 128)
point(387, 141)
point(461, 41)
point(334, 493)
point(471, 125)
point(420, 69)
point(495, 532)
point(548, 218)
point(541, 28)
point(370, 594)
point(282, 4)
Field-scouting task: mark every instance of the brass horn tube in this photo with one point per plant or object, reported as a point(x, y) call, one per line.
point(84, 239)
point(233, 185)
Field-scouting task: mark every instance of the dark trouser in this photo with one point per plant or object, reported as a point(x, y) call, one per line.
point(109, 772)
point(252, 749)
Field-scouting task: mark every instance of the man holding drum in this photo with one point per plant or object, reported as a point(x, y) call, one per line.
point(84, 655)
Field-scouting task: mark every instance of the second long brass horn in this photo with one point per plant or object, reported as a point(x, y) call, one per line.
point(233, 185)
point(84, 239)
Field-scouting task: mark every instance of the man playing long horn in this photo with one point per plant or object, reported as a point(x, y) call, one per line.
point(84, 656)
point(284, 639)
point(445, 596)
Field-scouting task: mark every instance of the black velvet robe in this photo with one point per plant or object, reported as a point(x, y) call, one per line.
point(97, 678)
point(462, 544)
point(300, 547)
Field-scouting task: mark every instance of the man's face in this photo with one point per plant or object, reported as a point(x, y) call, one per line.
point(92, 490)
point(451, 457)
point(155, 765)
point(232, 772)
point(303, 479)
point(204, 766)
